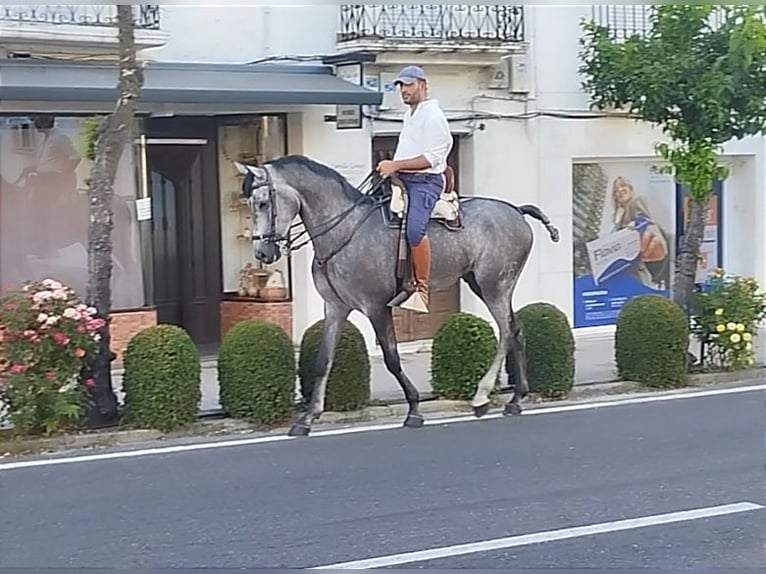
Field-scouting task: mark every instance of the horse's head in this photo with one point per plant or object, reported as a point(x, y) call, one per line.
point(273, 204)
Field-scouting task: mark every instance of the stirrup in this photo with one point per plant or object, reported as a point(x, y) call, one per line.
point(416, 302)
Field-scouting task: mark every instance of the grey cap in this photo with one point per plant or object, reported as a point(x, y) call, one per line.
point(409, 74)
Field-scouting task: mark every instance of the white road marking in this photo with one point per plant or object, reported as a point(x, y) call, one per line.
point(539, 537)
point(368, 428)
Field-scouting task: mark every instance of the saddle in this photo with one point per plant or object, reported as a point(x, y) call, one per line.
point(445, 211)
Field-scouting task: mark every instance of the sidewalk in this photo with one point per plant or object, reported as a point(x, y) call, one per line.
point(593, 363)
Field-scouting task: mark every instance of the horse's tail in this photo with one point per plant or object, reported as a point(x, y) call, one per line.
point(537, 213)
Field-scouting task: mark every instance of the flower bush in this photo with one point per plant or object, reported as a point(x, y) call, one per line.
point(45, 335)
point(727, 313)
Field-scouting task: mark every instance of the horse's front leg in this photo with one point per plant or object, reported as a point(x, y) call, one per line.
point(335, 315)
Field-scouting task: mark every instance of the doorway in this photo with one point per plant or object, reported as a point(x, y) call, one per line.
point(185, 235)
point(411, 326)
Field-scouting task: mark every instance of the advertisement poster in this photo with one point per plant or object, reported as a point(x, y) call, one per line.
point(623, 237)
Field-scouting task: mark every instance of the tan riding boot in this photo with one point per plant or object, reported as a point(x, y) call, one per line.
point(421, 263)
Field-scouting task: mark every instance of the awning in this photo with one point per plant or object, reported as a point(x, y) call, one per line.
point(182, 83)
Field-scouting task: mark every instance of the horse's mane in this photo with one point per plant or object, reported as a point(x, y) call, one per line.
point(297, 160)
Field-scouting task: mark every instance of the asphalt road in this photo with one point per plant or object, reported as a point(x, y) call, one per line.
point(338, 499)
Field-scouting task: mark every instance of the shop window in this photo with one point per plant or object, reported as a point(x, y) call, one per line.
point(252, 140)
point(44, 208)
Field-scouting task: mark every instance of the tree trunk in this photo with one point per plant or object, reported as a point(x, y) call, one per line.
point(114, 133)
point(688, 255)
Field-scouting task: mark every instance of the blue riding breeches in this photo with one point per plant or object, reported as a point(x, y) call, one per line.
point(423, 191)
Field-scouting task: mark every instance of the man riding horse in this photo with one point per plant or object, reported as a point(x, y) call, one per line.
point(420, 162)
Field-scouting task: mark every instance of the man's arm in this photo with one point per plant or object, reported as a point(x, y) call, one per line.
point(412, 164)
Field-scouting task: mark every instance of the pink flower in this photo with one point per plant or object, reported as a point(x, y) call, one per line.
point(79, 353)
point(90, 383)
point(51, 375)
point(61, 339)
point(10, 307)
point(18, 369)
point(95, 324)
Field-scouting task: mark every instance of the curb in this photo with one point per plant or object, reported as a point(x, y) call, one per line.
point(211, 426)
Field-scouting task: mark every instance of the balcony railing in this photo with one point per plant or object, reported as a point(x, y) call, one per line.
point(147, 16)
point(624, 21)
point(446, 23)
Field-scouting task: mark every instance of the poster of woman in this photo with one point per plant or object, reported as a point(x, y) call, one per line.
point(623, 237)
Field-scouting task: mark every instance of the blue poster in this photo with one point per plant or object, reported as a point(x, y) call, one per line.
point(623, 215)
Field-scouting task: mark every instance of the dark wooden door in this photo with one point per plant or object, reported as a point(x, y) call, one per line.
point(412, 326)
point(185, 238)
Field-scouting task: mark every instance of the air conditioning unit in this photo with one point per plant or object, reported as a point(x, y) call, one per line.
point(511, 74)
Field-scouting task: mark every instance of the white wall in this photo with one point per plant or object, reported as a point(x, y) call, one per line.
point(242, 33)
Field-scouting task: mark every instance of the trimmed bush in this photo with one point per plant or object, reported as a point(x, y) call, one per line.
point(462, 351)
point(256, 373)
point(651, 341)
point(549, 348)
point(162, 380)
point(348, 387)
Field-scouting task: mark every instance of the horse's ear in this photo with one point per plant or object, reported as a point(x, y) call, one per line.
point(245, 169)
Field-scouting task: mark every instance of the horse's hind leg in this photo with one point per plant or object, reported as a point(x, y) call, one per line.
point(335, 315)
point(521, 388)
point(383, 322)
point(499, 304)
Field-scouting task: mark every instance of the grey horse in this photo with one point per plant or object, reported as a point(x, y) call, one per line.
point(355, 258)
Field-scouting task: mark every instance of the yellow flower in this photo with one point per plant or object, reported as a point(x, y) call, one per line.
point(747, 337)
point(720, 328)
point(749, 347)
point(719, 311)
point(740, 327)
point(735, 338)
point(731, 326)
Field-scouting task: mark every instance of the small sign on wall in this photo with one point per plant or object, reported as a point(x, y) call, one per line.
point(144, 209)
point(348, 117)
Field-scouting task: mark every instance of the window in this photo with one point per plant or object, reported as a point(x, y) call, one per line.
point(251, 140)
point(44, 208)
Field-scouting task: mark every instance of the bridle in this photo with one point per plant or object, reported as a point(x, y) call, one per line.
point(287, 243)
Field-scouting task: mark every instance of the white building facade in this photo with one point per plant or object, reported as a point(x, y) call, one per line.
point(507, 79)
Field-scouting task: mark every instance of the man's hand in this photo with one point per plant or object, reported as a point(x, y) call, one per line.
point(387, 168)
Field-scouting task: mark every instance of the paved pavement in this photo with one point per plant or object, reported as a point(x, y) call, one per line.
point(593, 363)
point(518, 489)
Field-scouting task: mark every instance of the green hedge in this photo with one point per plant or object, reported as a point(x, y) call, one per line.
point(651, 342)
point(256, 373)
point(348, 387)
point(462, 352)
point(162, 379)
point(550, 349)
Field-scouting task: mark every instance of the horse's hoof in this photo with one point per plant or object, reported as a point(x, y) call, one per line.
point(512, 409)
point(481, 411)
point(413, 421)
point(299, 430)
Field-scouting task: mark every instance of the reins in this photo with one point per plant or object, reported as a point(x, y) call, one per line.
point(374, 182)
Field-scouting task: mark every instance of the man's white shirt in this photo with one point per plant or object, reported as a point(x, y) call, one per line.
point(426, 132)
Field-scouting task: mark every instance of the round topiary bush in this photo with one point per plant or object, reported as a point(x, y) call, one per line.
point(256, 373)
point(549, 349)
point(462, 351)
point(651, 341)
point(348, 387)
point(162, 379)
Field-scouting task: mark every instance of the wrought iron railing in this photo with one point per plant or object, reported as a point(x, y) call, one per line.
point(432, 22)
point(624, 21)
point(147, 16)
